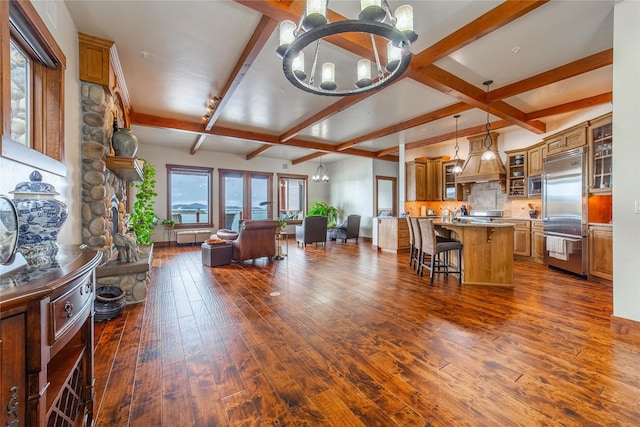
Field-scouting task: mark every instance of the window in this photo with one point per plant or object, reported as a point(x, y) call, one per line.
point(244, 195)
point(189, 191)
point(292, 197)
point(33, 117)
point(20, 95)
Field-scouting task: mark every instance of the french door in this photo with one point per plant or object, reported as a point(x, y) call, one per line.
point(244, 195)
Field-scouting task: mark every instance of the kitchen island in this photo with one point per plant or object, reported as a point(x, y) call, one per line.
point(487, 251)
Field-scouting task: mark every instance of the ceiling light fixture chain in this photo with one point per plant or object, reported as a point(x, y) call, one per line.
point(487, 143)
point(375, 19)
point(457, 168)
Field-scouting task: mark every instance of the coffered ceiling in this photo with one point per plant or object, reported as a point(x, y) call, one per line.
point(546, 59)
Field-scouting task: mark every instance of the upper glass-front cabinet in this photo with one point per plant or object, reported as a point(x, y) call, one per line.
point(601, 154)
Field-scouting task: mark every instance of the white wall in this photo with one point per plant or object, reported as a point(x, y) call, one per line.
point(352, 187)
point(160, 156)
point(57, 19)
point(626, 174)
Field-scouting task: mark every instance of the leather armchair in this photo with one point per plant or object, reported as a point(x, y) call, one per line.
point(256, 239)
point(349, 229)
point(312, 230)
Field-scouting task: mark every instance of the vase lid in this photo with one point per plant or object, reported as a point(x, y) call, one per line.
point(35, 186)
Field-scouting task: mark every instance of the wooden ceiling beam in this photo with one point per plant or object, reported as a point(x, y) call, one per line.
point(475, 130)
point(256, 43)
point(416, 121)
point(572, 69)
point(603, 98)
point(453, 86)
point(307, 158)
point(497, 17)
point(257, 152)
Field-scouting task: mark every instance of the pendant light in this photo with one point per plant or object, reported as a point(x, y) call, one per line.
point(321, 175)
point(457, 168)
point(488, 154)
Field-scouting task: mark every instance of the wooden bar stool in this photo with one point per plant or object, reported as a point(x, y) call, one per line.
point(435, 252)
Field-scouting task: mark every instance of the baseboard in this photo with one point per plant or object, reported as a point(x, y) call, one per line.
point(624, 326)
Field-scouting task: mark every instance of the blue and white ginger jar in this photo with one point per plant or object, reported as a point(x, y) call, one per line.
point(40, 217)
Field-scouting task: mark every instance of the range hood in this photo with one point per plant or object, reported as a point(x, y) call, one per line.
point(477, 170)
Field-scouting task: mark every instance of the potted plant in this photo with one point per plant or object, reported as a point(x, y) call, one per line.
point(324, 209)
point(143, 217)
point(283, 223)
point(168, 224)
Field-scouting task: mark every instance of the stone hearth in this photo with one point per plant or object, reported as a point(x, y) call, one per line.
point(104, 196)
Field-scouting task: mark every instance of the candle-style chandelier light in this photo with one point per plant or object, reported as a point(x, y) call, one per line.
point(375, 19)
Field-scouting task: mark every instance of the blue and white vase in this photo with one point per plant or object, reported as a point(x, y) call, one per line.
point(40, 217)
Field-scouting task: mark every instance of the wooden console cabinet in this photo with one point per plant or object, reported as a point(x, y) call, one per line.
point(46, 342)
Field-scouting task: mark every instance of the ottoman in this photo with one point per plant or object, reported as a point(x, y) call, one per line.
point(215, 255)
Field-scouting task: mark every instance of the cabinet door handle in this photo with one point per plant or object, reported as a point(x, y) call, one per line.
point(68, 307)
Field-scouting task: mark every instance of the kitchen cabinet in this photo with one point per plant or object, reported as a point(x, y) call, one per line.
point(416, 181)
point(393, 234)
point(537, 241)
point(434, 179)
point(566, 140)
point(535, 159)
point(46, 342)
point(516, 174)
point(451, 190)
point(601, 154)
point(601, 251)
point(521, 236)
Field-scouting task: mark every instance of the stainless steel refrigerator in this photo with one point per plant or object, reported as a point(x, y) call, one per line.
point(564, 211)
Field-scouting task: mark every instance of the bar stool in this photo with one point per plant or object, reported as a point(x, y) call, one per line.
point(412, 245)
point(435, 252)
point(417, 243)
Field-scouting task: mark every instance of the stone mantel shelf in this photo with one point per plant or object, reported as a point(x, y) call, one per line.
point(127, 168)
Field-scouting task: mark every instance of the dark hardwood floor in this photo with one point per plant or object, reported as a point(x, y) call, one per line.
point(355, 338)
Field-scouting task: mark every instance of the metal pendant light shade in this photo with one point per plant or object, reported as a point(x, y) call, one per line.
point(457, 168)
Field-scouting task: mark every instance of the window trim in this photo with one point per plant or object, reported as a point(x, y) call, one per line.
point(47, 122)
point(201, 169)
point(306, 194)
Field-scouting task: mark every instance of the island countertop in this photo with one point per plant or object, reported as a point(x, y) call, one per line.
point(487, 251)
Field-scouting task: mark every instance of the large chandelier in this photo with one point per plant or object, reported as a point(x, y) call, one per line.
point(375, 19)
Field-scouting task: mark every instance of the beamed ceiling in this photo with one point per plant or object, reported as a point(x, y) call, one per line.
point(546, 58)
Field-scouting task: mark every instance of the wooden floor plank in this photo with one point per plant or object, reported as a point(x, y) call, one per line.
point(355, 337)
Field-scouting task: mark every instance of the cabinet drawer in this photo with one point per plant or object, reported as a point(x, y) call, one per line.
point(68, 309)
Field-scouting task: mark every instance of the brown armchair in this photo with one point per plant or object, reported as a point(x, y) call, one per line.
point(312, 230)
point(256, 239)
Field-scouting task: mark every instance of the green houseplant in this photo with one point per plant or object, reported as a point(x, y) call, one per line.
point(143, 217)
point(324, 209)
point(168, 223)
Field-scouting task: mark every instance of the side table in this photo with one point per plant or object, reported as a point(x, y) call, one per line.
point(215, 255)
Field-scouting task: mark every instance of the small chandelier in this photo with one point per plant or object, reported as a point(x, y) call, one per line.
point(321, 175)
point(314, 27)
point(457, 168)
point(488, 154)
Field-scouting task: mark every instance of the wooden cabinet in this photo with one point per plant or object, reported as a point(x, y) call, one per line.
point(517, 174)
point(46, 342)
point(601, 251)
point(601, 154)
point(535, 159)
point(537, 241)
point(393, 234)
point(571, 138)
point(450, 189)
point(416, 181)
point(521, 237)
point(434, 179)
